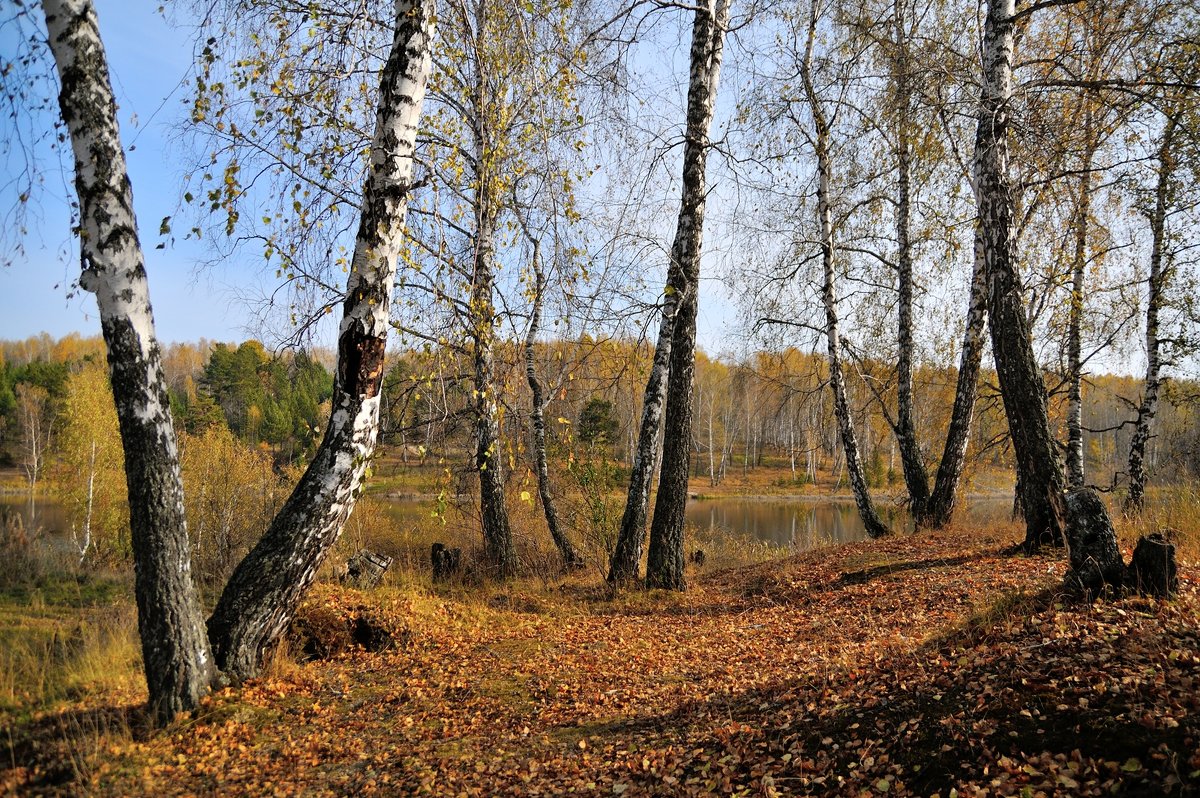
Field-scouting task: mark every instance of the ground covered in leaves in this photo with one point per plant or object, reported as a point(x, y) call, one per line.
point(928, 664)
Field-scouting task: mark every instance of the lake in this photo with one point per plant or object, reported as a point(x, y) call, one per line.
point(802, 523)
point(797, 523)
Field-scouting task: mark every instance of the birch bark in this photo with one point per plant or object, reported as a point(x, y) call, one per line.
point(1157, 286)
point(841, 405)
point(943, 499)
point(261, 596)
point(678, 301)
point(1022, 389)
point(665, 564)
point(175, 653)
point(537, 421)
point(1079, 260)
point(916, 479)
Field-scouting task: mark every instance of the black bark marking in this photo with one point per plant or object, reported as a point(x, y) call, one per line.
point(360, 363)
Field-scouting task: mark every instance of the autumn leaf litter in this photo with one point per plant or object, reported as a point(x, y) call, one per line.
point(919, 665)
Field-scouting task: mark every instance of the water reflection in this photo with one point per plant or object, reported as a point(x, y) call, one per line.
point(39, 515)
point(802, 524)
point(794, 523)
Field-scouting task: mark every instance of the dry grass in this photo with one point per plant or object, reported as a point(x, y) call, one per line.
point(61, 641)
point(1174, 509)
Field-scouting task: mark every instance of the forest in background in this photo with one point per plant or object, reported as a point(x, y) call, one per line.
point(247, 416)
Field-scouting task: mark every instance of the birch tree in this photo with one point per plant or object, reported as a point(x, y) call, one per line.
point(821, 139)
point(266, 587)
point(1171, 208)
point(90, 472)
point(677, 326)
point(1040, 476)
point(175, 651)
point(537, 414)
point(1152, 382)
point(665, 566)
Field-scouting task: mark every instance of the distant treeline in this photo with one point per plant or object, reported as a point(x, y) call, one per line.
point(763, 409)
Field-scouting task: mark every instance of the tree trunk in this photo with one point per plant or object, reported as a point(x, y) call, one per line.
point(916, 479)
point(841, 406)
point(1095, 558)
point(631, 540)
point(537, 418)
point(175, 651)
point(1083, 206)
point(498, 547)
point(940, 510)
point(1021, 385)
point(665, 566)
point(265, 588)
point(626, 558)
point(1158, 284)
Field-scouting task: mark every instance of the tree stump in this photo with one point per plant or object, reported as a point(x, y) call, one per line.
point(1152, 570)
point(365, 569)
point(447, 562)
point(1095, 558)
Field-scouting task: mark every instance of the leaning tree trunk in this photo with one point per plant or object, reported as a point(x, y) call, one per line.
point(665, 565)
point(626, 558)
point(1158, 283)
point(841, 405)
point(537, 420)
point(916, 479)
point(261, 596)
point(1021, 385)
point(1083, 209)
point(175, 652)
point(940, 510)
point(631, 539)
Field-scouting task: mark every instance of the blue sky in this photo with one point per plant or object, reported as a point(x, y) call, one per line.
point(148, 60)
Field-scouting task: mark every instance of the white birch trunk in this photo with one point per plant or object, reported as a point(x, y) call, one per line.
point(264, 590)
point(841, 404)
point(1157, 287)
point(174, 648)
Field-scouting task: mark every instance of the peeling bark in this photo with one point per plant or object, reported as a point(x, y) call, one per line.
point(665, 564)
point(175, 652)
point(265, 589)
point(1021, 386)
